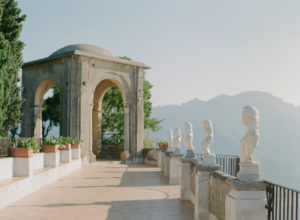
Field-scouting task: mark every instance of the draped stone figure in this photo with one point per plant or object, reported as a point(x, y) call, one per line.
point(249, 169)
point(209, 159)
point(177, 140)
point(170, 140)
point(188, 140)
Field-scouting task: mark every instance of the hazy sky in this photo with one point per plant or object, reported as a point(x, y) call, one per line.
point(196, 48)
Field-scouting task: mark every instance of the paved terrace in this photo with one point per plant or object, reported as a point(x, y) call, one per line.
point(104, 190)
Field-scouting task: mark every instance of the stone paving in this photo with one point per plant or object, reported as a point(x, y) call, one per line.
point(104, 190)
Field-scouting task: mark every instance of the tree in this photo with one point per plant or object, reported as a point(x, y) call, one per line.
point(113, 115)
point(11, 61)
point(50, 113)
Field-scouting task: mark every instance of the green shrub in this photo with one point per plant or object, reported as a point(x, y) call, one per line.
point(50, 141)
point(164, 143)
point(76, 140)
point(31, 143)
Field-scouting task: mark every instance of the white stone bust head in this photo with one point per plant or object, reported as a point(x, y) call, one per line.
point(188, 128)
point(207, 126)
point(250, 117)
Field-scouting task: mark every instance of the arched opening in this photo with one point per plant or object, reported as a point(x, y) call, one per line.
point(46, 109)
point(110, 130)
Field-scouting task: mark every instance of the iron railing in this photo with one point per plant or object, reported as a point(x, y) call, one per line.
point(282, 202)
point(230, 164)
point(6, 143)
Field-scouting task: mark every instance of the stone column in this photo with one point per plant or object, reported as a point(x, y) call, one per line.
point(185, 178)
point(246, 200)
point(91, 156)
point(126, 154)
point(139, 112)
point(202, 191)
point(38, 121)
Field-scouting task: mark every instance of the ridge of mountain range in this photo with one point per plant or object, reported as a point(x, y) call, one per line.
point(279, 147)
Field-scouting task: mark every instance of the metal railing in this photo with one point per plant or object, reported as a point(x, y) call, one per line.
point(282, 202)
point(6, 144)
point(230, 164)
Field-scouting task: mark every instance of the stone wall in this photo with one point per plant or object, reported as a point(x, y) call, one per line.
point(111, 152)
point(218, 192)
point(192, 176)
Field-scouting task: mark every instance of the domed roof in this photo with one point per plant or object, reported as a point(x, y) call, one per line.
point(87, 48)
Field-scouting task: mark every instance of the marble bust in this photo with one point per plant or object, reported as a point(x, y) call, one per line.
point(208, 128)
point(209, 159)
point(170, 140)
point(249, 142)
point(177, 140)
point(188, 140)
point(249, 169)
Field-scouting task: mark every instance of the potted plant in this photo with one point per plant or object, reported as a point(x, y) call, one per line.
point(50, 145)
point(64, 143)
point(75, 142)
point(25, 148)
point(163, 145)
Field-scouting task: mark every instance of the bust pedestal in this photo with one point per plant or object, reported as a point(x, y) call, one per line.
point(190, 154)
point(249, 171)
point(209, 160)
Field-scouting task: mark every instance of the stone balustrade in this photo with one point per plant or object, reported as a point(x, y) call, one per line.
point(215, 194)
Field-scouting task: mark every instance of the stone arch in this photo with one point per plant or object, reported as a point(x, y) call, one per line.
point(102, 87)
point(40, 91)
point(78, 70)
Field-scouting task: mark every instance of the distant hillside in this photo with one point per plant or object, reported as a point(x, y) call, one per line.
point(279, 147)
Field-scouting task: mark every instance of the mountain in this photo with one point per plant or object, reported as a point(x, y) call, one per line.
point(279, 147)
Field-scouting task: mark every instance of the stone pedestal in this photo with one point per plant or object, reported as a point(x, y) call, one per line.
point(23, 167)
point(209, 160)
point(167, 164)
point(76, 152)
point(163, 163)
point(190, 155)
point(159, 158)
point(249, 171)
point(174, 167)
point(52, 159)
point(185, 177)
point(246, 201)
point(202, 191)
point(65, 156)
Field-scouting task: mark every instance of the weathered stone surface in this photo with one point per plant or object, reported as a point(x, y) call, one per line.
point(111, 152)
point(83, 74)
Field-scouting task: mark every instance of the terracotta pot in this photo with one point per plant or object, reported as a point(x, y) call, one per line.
point(75, 146)
point(67, 147)
point(21, 152)
point(163, 147)
point(50, 148)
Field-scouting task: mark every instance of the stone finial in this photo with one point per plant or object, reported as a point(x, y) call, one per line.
point(170, 140)
point(208, 128)
point(177, 140)
point(249, 169)
point(188, 140)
